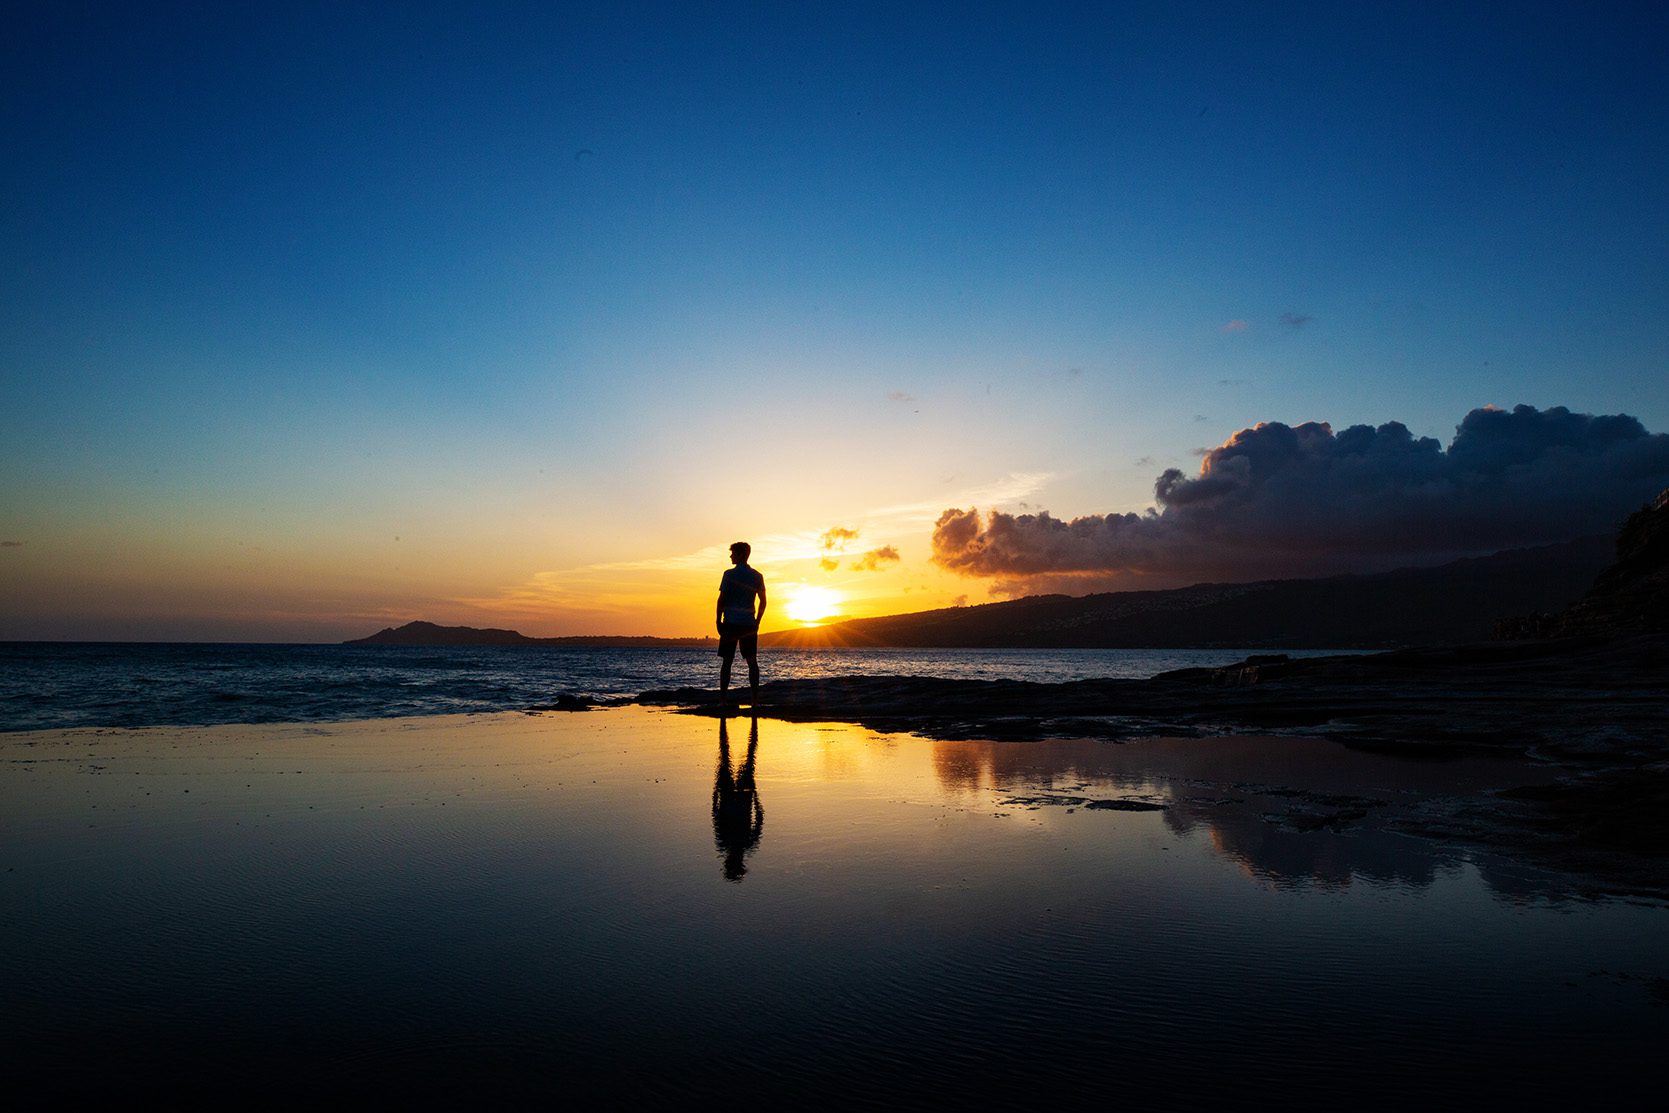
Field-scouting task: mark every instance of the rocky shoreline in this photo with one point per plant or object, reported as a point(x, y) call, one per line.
point(1569, 700)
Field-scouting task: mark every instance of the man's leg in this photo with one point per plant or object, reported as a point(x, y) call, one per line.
point(727, 654)
point(750, 650)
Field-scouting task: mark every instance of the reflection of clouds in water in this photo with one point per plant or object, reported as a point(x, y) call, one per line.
point(1271, 847)
point(1519, 882)
point(1290, 840)
point(1291, 812)
point(964, 768)
point(960, 770)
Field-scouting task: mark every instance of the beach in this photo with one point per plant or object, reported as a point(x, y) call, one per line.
point(619, 903)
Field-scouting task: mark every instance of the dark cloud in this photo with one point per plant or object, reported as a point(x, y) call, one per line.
point(872, 560)
point(1146, 462)
point(1278, 500)
point(1296, 320)
point(11, 544)
point(1201, 417)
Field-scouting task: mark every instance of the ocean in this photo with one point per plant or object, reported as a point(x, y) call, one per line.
point(49, 685)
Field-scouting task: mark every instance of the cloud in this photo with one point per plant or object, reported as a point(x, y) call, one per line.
point(836, 539)
point(1201, 417)
point(872, 560)
point(1296, 321)
point(828, 564)
point(1146, 462)
point(1236, 325)
point(11, 544)
point(900, 396)
point(1277, 500)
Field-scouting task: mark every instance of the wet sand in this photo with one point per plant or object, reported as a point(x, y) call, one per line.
point(623, 903)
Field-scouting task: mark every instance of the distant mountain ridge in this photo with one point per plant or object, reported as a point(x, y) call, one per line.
point(1447, 604)
point(427, 633)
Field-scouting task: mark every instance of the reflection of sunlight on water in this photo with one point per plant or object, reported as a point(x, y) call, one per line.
point(837, 754)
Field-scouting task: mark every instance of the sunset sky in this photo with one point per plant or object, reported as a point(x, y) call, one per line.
point(320, 318)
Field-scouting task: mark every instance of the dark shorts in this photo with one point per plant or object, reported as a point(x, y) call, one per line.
point(732, 636)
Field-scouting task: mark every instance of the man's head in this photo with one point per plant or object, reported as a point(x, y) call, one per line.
point(739, 552)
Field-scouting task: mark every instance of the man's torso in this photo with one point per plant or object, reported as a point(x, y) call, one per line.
point(737, 589)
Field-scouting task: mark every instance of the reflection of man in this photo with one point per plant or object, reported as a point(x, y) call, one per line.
point(737, 619)
point(738, 820)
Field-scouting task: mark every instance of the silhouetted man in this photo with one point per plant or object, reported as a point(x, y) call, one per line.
point(738, 621)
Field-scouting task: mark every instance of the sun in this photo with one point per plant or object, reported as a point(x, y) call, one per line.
point(811, 605)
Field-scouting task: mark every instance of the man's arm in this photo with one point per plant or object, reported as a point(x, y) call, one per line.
point(718, 612)
point(760, 617)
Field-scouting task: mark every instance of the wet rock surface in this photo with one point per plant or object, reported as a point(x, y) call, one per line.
point(1574, 700)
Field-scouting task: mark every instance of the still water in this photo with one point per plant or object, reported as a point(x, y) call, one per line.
point(635, 906)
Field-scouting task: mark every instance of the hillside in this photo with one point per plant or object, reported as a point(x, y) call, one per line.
point(1631, 596)
point(1448, 604)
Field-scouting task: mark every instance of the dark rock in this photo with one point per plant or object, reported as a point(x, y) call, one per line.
point(566, 702)
point(1123, 806)
point(1300, 820)
point(1617, 809)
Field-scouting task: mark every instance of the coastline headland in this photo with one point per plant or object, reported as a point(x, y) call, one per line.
point(430, 634)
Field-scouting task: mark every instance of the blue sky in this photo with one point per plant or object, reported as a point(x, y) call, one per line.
point(550, 287)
